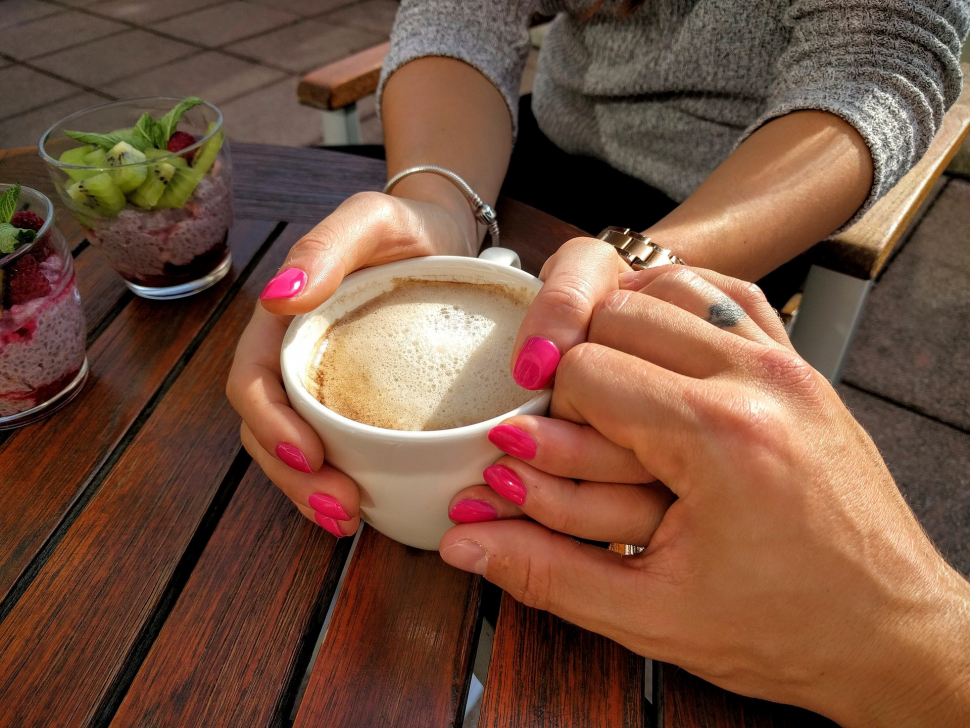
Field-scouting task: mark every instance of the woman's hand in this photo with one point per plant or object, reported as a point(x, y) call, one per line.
point(788, 567)
point(576, 278)
point(368, 229)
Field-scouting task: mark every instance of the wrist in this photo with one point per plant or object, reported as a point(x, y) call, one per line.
point(435, 190)
point(919, 674)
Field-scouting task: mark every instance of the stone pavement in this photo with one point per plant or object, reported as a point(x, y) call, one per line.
point(60, 56)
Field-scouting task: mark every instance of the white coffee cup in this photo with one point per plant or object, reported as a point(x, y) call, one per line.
point(406, 478)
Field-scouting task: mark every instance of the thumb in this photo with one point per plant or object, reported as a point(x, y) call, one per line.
point(589, 586)
point(369, 228)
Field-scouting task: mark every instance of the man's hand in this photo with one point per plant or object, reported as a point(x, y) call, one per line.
point(782, 562)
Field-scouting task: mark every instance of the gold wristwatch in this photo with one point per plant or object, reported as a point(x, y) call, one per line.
point(637, 250)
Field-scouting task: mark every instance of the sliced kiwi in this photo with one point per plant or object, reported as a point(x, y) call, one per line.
point(97, 157)
point(97, 194)
point(76, 157)
point(180, 189)
point(130, 171)
point(205, 156)
point(151, 190)
point(174, 159)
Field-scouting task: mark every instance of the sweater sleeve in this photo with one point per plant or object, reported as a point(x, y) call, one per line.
point(890, 68)
point(489, 35)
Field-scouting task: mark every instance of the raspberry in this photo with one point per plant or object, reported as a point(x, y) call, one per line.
point(27, 220)
point(179, 141)
point(43, 249)
point(25, 281)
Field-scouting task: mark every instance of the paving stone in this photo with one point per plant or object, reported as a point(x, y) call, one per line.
point(216, 26)
point(376, 16)
point(913, 344)
point(25, 130)
point(214, 76)
point(109, 59)
point(142, 12)
point(306, 46)
point(21, 11)
point(272, 116)
point(931, 465)
point(78, 3)
point(39, 37)
point(22, 89)
point(305, 8)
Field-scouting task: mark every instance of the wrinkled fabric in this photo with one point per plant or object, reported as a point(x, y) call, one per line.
point(667, 93)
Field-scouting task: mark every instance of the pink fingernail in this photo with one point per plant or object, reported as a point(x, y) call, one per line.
point(629, 278)
point(536, 364)
point(514, 441)
point(328, 506)
point(506, 483)
point(467, 556)
point(292, 456)
point(472, 511)
point(285, 285)
point(329, 524)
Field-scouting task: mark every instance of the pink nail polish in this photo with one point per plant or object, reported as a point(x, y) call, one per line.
point(329, 524)
point(506, 483)
point(285, 285)
point(328, 506)
point(467, 556)
point(513, 440)
point(536, 363)
point(292, 456)
point(472, 511)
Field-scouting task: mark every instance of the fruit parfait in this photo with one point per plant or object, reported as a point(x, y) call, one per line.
point(42, 331)
point(153, 195)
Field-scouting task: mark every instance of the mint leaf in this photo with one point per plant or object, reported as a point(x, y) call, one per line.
point(169, 123)
point(8, 203)
point(146, 131)
point(107, 141)
point(9, 238)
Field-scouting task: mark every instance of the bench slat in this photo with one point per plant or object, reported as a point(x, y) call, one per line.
point(343, 82)
point(234, 649)
point(547, 673)
point(399, 648)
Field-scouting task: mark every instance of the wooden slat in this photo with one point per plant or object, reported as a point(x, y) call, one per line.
point(685, 701)
point(234, 649)
point(56, 458)
point(65, 644)
point(863, 249)
point(547, 673)
point(399, 648)
point(298, 185)
point(100, 287)
point(343, 82)
point(533, 234)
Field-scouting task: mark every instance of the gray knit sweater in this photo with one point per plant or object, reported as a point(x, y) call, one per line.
point(667, 93)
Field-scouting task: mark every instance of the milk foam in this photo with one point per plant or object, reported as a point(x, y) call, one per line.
point(426, 355)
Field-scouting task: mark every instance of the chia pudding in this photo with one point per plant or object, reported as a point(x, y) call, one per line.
point(42, 328)
point(168, 247)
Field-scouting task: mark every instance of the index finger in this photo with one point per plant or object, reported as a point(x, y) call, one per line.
point(576, 278)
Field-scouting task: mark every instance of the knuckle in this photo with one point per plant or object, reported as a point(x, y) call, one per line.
point(786, 370)
point(580, 357)
point(535, 586)
point(570, 298)
point(613, 302)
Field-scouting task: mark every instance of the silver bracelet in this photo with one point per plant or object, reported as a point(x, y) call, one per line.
point(482, 211)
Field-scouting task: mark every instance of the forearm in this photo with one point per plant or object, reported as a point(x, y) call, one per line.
point(444, 112)
point(789, 185)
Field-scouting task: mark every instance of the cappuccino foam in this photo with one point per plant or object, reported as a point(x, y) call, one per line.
point(426, 355)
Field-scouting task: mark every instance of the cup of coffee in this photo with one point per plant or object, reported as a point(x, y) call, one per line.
point(402, 373)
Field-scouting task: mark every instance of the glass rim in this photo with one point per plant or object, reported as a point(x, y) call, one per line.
point(41, 145)
point(48, 221)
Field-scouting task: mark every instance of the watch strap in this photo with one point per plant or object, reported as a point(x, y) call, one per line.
point(638, 251)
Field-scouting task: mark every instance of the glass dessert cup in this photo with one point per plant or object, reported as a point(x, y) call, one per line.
point(42, 330)
point(161, 218)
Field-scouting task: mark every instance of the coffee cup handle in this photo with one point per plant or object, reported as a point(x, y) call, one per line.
point(503, 256)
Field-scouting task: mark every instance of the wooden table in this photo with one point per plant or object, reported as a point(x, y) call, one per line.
point(150, 575)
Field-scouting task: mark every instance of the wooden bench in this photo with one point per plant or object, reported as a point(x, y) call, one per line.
point(843, 267)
